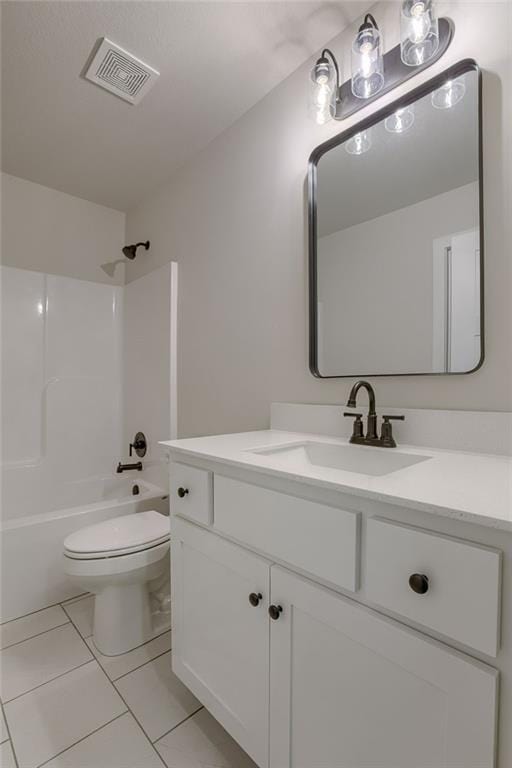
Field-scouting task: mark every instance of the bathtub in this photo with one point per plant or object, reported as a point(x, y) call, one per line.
point(31, 544)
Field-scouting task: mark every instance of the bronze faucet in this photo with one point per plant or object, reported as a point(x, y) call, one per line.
point(386, 439)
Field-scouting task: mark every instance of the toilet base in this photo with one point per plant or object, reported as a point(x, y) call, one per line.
point(122, 618)
point(131, 596)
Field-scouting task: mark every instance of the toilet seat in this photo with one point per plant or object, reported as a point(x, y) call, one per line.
point(120, 536)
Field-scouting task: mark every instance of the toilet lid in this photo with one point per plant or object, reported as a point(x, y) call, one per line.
point(120, 535)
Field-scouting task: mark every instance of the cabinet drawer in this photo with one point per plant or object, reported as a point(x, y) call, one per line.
point(191, 492)
point(462, 587)
point(318, 539)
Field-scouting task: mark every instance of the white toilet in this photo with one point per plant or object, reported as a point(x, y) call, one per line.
point(116, 561)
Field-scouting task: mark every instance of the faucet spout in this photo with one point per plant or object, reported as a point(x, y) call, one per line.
point(352, 398)
point(371, 432)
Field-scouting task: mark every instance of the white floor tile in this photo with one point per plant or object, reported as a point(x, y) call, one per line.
point(121, 744)
point(40, 659)
point(6, 755)
point(156, 697)
point(31, 625)
point(81, 611)
point(55, 716)
point(3, 728)
point(201, 742)
point(115, 666)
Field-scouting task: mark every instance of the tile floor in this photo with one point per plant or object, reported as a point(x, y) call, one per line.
point(65, 705)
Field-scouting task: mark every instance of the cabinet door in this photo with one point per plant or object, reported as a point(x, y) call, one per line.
point(220, 640)
point(353, 689)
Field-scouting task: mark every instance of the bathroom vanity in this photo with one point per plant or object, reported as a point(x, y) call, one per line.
point(341, 606)
point(346, 604)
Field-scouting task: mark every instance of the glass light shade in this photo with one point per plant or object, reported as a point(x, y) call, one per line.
point(322, 91)
point(367, 63)
point(449, 94)
point(359, 143)
point(401, 120)
point(419, 32)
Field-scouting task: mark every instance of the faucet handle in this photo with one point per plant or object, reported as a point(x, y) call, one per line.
point(386, 437)
point(358, 424)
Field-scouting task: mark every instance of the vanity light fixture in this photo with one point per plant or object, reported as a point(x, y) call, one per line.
point(424, 39)
point(324, 94)
point(419, 32)
point(449, 94)
point(359, 143)
point(401, 120)
point(367, 60)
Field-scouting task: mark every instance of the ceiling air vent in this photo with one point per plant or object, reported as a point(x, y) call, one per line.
point(119, 72)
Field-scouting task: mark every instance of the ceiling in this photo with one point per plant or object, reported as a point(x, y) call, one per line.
point(439, 152)
point(216, 60)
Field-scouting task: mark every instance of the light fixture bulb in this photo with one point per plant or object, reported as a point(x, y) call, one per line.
point(449, 94)
point(367, 60)
point(324, 97)
point(401, 120)
point(322, 91)
point(359, 143)
point(419, 32)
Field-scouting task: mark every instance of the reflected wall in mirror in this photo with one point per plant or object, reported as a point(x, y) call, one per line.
point(395, 237)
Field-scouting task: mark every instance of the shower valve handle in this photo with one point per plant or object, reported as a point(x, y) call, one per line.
point(139, 444)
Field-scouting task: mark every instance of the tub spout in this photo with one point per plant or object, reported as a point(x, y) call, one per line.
point(124, 467)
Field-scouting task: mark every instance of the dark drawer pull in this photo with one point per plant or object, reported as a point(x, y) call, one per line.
point(182, 492)
point(254, 598)
point(274, 611)
point(418, 582)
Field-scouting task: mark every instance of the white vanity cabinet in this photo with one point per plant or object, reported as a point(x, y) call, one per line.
point(301, 675)
point(220, 639)
point(350, 688)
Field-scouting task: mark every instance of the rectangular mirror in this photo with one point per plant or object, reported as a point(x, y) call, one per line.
point(395, 248)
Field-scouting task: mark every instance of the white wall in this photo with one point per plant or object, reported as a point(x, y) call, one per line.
point(146, 366)
point(49, 231)
point(362, 271)
point(234, 219)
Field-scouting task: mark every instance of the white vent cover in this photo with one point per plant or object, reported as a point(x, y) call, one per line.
point(119, 72)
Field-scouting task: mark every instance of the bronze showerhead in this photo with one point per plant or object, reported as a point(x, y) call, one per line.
point(130, 251)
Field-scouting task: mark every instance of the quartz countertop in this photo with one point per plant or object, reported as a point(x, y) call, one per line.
point(473, 487)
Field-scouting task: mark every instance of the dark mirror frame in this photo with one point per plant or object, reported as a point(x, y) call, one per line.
point(466, 65)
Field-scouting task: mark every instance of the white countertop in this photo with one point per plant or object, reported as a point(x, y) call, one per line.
point(467, 486)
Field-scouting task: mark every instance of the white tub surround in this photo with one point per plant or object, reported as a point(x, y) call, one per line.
point(312, 577)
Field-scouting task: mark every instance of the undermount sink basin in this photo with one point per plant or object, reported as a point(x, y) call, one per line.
point(363, 460)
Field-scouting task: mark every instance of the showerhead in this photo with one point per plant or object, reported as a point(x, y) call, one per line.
point(130, 251)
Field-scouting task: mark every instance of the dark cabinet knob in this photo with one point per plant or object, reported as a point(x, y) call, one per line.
point(182, 492)
point(418, 582)
point(274, 611)
point(254, 598)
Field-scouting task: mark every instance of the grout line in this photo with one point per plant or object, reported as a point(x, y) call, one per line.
point(124, 701)
point(115, 679)
point(83, 738)
point(14, 698)
point(76, 599)
point(44, 608)
point(9, 735)
point(180, 723)
point(37, 634)
point(132, 649)
point(75, 626)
